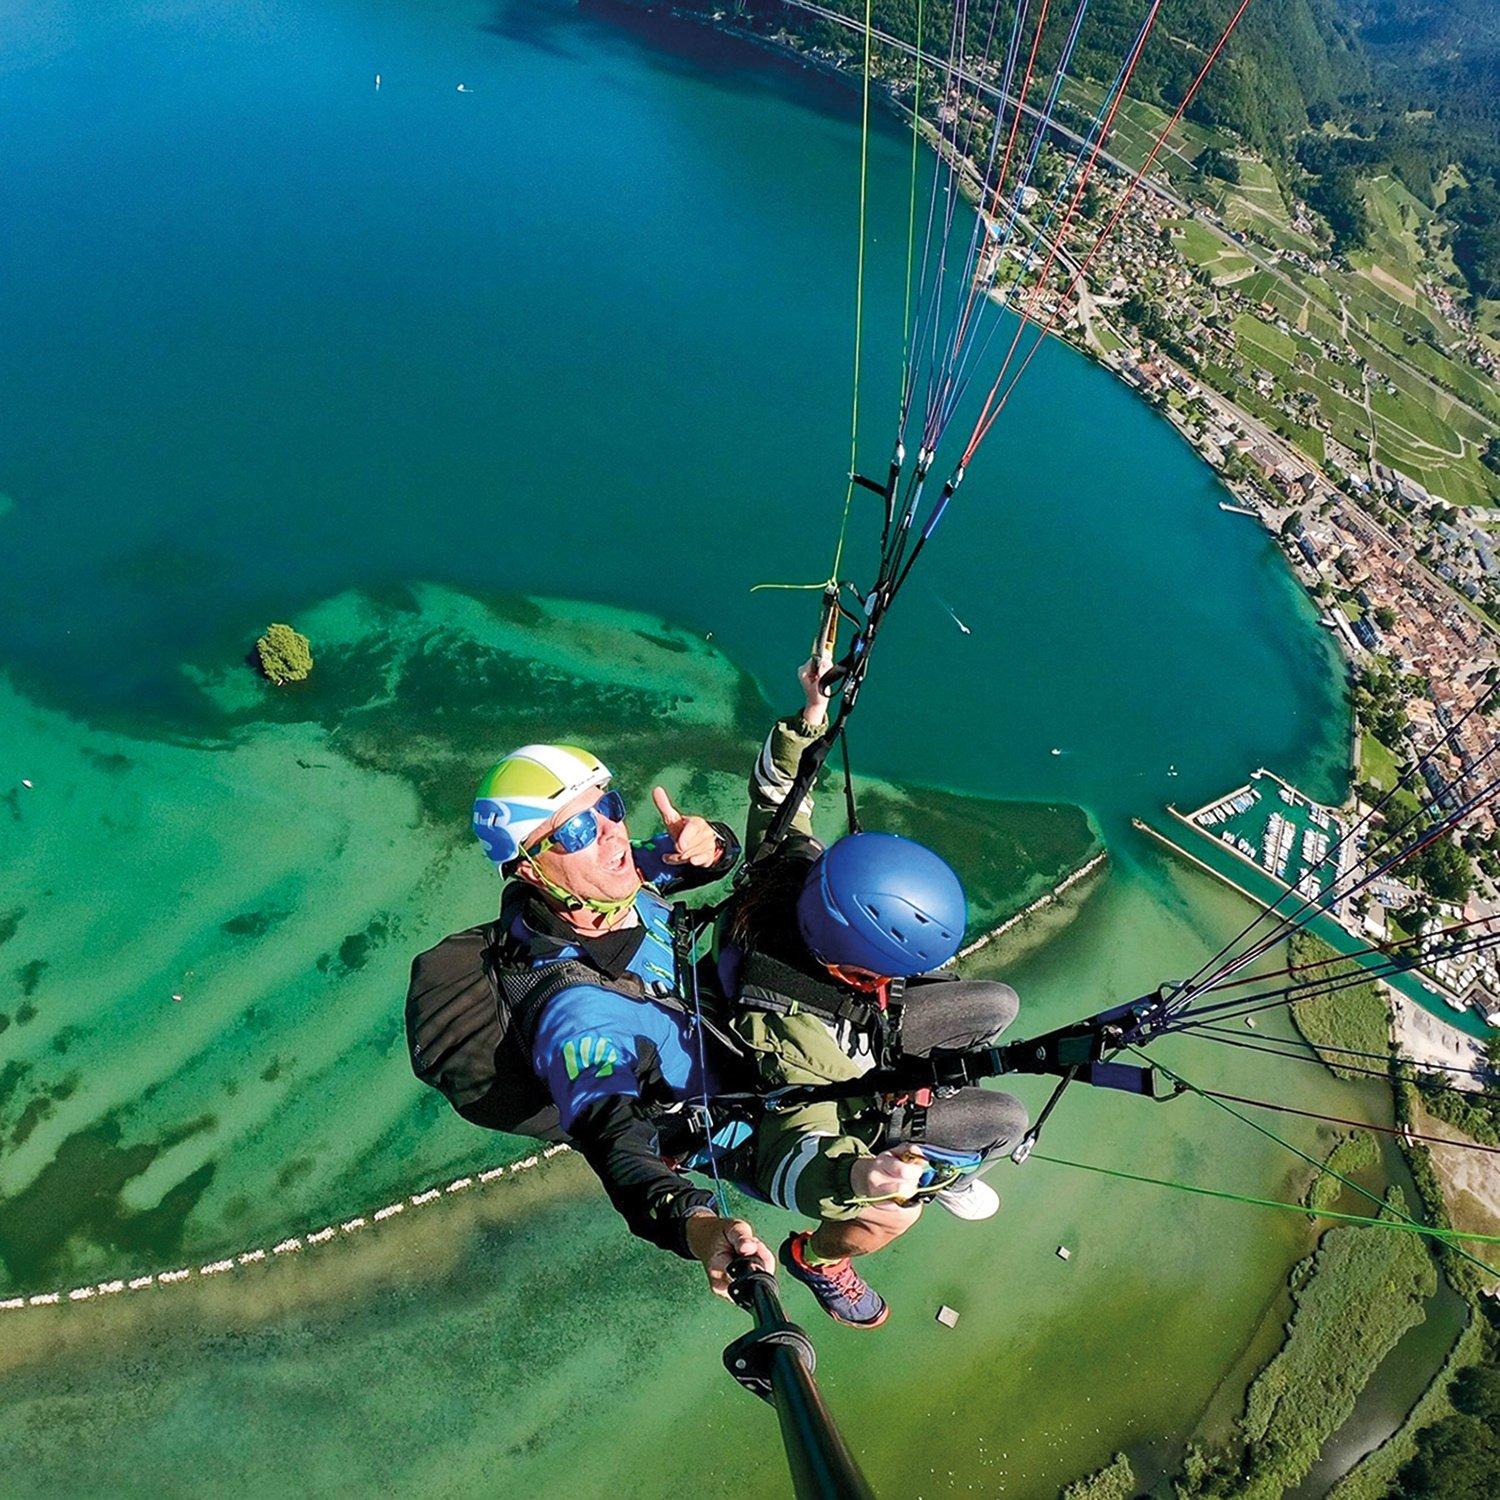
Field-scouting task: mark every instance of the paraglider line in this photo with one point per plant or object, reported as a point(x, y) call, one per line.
point(1396, 1058)
point(1308, 1114)
point(1451, 1237)
point(859, 298)
point(1325, 1170)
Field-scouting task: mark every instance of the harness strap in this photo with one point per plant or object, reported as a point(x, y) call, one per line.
point(791, 991)
point(525, 992)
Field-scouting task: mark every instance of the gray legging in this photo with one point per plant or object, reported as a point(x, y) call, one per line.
point(959, 1013)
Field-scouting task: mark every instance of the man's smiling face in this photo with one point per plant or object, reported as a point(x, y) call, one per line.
point(603, 871)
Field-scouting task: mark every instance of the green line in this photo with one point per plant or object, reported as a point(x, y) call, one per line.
point(859, 299)
point(1324, 1169)
point(1450, 1236)
point(1312, 1161)
point(911, 209)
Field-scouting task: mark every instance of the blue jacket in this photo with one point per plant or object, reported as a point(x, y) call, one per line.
point(616, 1065)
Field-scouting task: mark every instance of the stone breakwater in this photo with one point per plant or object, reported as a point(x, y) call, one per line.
point(292, 1244)
point(423, 1198)
point(1059, 890)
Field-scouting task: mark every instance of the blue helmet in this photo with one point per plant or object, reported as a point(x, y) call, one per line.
point(885, 904)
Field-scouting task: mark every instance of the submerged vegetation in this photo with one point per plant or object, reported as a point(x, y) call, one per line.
point(285, 655)
point(414, 692)
point(1355, 1297)
point(1353, 1153)
point(1115, 1481)
point(1356, 1019)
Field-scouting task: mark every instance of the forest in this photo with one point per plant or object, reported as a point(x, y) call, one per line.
point(1325, 90)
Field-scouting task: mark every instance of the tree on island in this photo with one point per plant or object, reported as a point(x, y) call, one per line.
point(285, 655)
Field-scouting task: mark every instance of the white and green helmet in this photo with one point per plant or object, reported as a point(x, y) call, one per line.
point(525, 789)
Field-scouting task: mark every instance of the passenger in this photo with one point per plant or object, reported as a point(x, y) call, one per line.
point(577, 977)
point(812, 951)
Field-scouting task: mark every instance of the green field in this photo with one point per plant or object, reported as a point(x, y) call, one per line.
point(1489, 323)
point(1431, 434)
point(1376, 764)
point(1398, 227)
point(1428, 434)
point(1421, 431)
point(1137, 125)
point(1108, 339)
point(1258, 338)
point(1256, 205)
point(1432, 413)
point(1200, 246)
point(1311, 307)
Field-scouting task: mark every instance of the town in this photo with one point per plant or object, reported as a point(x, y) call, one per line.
point(1346, 397)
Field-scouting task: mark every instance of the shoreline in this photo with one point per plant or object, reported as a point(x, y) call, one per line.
point(1242, 496)
point(338, 1229)
point(1175, 848)
point(1041, 903)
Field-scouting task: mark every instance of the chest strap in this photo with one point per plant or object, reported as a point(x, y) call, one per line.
point(784, 990)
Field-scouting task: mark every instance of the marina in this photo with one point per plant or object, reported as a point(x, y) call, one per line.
point(1272, 825)
point(1296, 846)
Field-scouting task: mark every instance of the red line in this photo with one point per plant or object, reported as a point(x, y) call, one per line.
point(987, 417)
point(1015, 123)
point(986, 420)
point(1308, 1114)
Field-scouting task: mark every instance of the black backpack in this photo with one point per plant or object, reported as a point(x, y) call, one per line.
point(462, 1035)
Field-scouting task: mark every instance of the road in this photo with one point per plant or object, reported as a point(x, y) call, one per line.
point(1230, 414)
point(982, 86)
point(1242, 245)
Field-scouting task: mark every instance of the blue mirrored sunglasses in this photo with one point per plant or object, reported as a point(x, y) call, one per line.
point(583, 828)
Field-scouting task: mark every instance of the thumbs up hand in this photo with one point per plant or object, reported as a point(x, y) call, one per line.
point(696, 841)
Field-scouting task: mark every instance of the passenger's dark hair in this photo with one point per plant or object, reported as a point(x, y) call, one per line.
point(769, 896)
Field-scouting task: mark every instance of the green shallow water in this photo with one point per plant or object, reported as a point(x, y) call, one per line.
point(210, 1053)
point(280, 346)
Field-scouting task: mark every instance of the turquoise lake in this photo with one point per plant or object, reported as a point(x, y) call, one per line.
point(271, 335)
point(584, 330)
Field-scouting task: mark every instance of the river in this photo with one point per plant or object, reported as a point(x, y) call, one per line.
point(273, 334)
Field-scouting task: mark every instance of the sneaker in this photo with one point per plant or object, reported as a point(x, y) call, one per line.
point(972, 1199)
point(841, 1291)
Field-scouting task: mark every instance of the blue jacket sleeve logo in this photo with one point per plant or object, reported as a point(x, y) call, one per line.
point(589, 1053)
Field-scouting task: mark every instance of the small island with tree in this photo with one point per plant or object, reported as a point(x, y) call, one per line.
point(284, 655)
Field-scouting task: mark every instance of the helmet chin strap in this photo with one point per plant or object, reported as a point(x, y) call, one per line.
point(610, 910)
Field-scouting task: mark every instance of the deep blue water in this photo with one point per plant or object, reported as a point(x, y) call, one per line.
point(267, 332)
